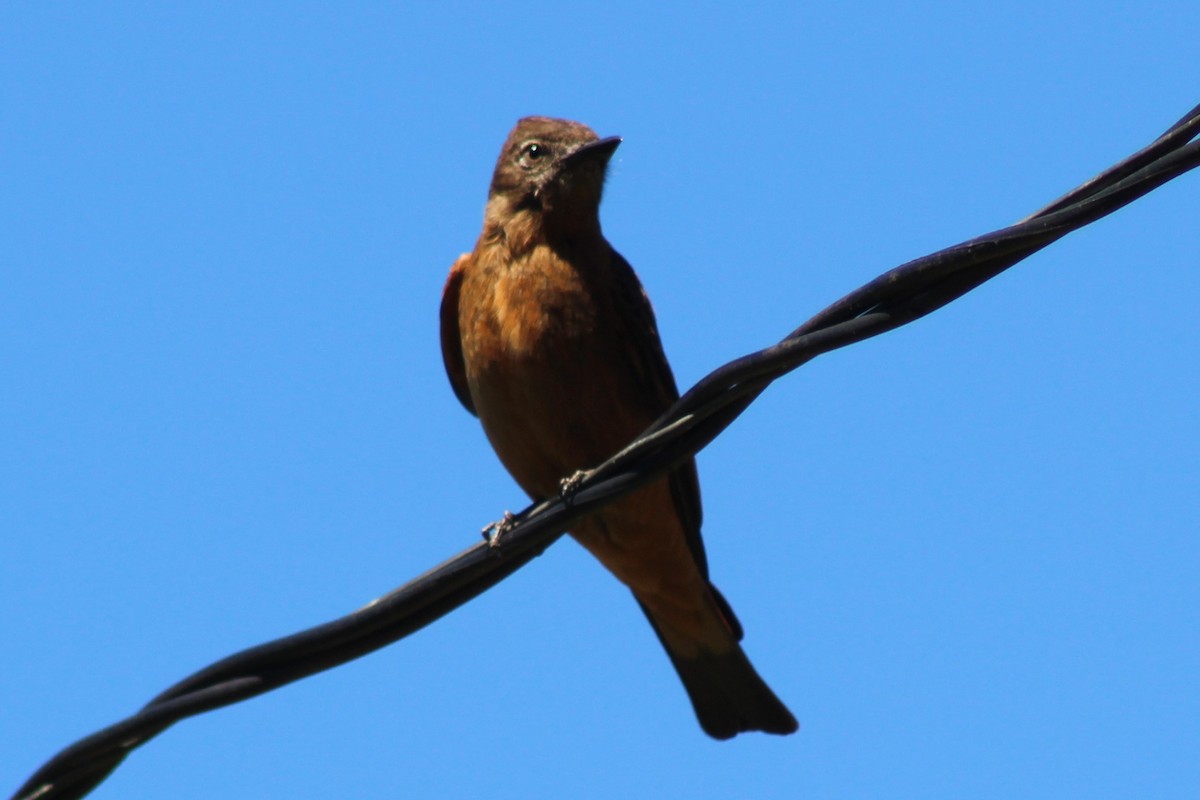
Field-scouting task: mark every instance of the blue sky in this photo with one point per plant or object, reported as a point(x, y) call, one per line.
point(965, 553)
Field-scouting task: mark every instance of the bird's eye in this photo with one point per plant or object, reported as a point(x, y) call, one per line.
point(533, 152)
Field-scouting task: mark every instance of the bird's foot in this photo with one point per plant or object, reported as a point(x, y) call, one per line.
point(494, 530)
point(568, 486)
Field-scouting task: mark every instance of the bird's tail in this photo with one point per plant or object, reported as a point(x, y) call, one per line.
point(726, 692)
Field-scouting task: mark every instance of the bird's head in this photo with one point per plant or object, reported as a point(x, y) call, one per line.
point(553, 167)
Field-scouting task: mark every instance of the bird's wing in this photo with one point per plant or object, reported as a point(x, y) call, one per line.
point(452, 355)
point(645, 354)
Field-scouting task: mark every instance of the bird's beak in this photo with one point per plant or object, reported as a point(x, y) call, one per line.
point(600, 150)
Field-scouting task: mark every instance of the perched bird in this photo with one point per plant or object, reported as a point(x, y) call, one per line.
point(549, 338)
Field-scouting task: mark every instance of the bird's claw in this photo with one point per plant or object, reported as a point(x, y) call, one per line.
point(568, 486)
point(494, 530)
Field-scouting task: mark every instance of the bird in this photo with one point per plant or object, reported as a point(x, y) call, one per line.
point(549, 339)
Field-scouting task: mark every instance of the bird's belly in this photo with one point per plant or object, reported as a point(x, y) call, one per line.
point(534, 403)
point(549, 383)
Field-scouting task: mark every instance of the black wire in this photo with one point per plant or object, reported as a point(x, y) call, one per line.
point(893, 299)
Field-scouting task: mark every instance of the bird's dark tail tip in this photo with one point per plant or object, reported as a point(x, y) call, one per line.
point(726, 691)
point(729, 697)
